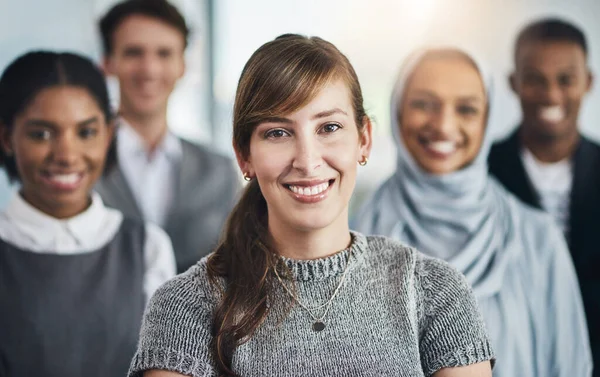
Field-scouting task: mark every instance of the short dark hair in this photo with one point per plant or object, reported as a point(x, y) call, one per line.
point(161, 10)
point(551, 30)
point(35, 71)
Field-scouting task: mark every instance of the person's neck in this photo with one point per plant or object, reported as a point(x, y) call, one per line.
point(313, 244)
point(549, 150)
point(152, 128)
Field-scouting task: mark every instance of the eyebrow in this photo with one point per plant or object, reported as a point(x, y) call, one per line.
point(40, 123)
point(52, 125)
point(569, 69)
point(277, 120)
point(322, 114)
point(470, 98)
point(326, 113)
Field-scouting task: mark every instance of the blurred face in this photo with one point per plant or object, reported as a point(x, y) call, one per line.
point(147, 58)
point(443, 114)
point(60, 143)
point(551, 79)
point(305, 162)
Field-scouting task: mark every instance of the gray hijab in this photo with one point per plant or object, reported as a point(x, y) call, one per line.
point(462, 217)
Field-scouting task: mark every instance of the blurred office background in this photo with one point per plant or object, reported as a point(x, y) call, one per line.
point(376, 35)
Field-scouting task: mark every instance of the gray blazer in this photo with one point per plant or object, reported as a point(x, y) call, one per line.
point(205, 193)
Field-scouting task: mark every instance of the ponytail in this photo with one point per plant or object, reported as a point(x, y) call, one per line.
point(243, 258)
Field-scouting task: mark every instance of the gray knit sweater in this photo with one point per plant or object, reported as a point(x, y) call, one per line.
point(399, 313)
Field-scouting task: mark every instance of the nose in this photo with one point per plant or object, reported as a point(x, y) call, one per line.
point(150, 65)
point(552, 94)
point(307, 155)
point(446, 120)
point(65, 150)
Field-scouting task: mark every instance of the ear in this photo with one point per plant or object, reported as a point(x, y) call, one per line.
point(5, 143)
point(244, 164)
point(590, 81)
point(105, 66)
point(183, 67)
point(512, 82)
point(365, 138)
point(112, 129)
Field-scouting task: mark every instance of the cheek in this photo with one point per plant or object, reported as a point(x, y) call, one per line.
point(170, 72)
point(343, 156)
point(269, 161)
point(529, 95)
point(28, 150)
point(475, 134)
point(408, 133)
point(412, 123)
point(97, 152)
point(575, 95)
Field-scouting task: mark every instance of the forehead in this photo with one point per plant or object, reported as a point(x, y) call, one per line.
point(145, 31)
point(62, 105)
point(334, 94)
point(447, 77)
point(558, 54)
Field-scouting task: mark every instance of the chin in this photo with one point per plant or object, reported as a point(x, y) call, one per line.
point(435, 168)
point(310, 223)
point(551, 132)
point(147, 106)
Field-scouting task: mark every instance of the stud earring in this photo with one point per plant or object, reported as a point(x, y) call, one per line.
point(247, 178)
point(364, 161)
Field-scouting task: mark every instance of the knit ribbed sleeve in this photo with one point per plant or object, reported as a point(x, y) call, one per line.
point(175, 333)
point(452, 331)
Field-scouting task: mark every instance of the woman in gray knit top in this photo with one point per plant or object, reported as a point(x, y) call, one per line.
point(290, 291)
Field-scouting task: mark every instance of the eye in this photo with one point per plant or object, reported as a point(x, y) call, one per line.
point(88, 132)
point(534, 79)
point(565, 80)
point(421, 104)
point(467, 110)
point(164, 53)
point(330, 127)
point(39, 135)
point(133, 52)
point(276, 133)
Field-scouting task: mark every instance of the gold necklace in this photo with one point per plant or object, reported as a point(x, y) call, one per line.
point(318, 324)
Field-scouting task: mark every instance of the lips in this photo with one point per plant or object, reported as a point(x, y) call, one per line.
point(63, 181)
point(551, 114)
point(442, 147)
point(438, 148)
point(310, 191)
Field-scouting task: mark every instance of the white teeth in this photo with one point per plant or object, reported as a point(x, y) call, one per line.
point(552, 113)
point(444, 147)
point(66, 179)
point(311, 190)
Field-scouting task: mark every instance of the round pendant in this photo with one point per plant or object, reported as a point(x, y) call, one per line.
point(318, 326)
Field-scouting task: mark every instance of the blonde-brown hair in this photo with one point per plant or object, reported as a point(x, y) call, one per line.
point(281, 77)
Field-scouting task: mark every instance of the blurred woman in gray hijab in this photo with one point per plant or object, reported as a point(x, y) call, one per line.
point(442, 201)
